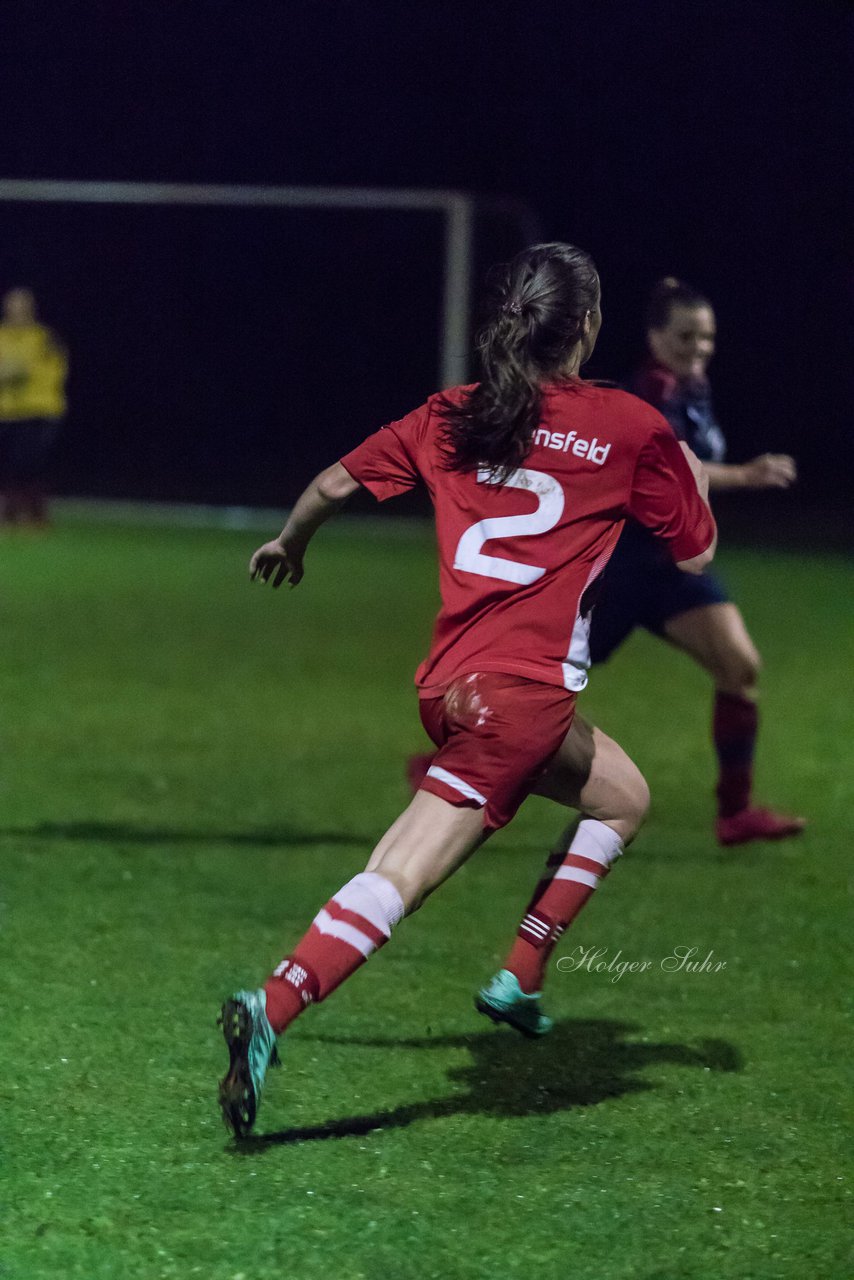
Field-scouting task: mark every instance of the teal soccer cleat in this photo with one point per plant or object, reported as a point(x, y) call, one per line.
point(252, 1048)
point(503, 1000)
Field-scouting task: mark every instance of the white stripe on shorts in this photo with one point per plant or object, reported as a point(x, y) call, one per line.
point(451, 780)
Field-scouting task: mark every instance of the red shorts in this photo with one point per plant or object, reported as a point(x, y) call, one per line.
point(495, 734)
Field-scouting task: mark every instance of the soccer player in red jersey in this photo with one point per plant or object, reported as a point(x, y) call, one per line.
point(531, 472)
point(693, 611)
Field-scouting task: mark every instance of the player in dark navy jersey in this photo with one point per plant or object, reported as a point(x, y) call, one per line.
point(644, 588)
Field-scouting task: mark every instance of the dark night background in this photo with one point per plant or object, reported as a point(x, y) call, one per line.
point(227, 355)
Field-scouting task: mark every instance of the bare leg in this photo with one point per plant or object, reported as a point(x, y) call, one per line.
point(426, 844)
point(421, 849)
point(592, 773)
point(716, 637)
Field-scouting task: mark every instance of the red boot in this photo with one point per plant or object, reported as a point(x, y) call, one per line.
point(757, 824)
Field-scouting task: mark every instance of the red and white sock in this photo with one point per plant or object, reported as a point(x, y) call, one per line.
point(355, 923)
point(560, 897)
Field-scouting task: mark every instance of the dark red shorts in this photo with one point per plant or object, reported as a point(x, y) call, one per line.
point(495, 734)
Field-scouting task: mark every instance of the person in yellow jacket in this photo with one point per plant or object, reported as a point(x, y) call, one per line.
point(33, 369)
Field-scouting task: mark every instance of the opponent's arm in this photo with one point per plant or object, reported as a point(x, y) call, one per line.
point(768, 471)
point(282, 559)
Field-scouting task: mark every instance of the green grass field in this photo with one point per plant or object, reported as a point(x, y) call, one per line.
point(191, 765)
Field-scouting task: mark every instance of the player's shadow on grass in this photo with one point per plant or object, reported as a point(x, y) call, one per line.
point(580, 1064)
point(129, 833)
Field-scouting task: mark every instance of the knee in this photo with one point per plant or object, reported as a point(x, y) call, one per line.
point(638, 806)
point(631, 807)
point(738, 671)
point(411, 891)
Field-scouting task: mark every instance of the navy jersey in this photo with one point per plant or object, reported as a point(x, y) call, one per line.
point(642, 587)
point(687, 406)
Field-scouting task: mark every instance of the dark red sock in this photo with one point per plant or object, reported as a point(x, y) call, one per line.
point(735, 724)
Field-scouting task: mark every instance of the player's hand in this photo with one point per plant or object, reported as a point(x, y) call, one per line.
point(701, 476)
point(770, 471)
point(277, 562)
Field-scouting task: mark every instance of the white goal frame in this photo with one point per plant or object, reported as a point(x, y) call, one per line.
point(458, 208)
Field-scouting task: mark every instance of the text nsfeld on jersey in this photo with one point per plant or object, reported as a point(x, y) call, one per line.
point(566, 441)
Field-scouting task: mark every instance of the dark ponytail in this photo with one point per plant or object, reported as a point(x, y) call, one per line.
point(535, 318)
point(666, 295)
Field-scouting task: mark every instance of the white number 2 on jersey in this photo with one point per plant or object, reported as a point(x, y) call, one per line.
point(549, 495)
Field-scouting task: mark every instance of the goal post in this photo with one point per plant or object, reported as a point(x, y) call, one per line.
point(458, 209)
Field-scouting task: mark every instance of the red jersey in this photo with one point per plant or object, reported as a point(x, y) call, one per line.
point(516, 560)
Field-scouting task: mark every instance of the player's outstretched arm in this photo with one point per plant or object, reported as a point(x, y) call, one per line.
point(768, 471)
point(282, 559)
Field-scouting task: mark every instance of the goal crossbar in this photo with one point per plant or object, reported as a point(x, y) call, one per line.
point(457, 207)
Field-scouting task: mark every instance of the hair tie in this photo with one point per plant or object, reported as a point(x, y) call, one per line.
point(513, 308)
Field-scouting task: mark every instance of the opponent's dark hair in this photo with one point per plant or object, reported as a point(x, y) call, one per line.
point(535, 317)
point(667, 294)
